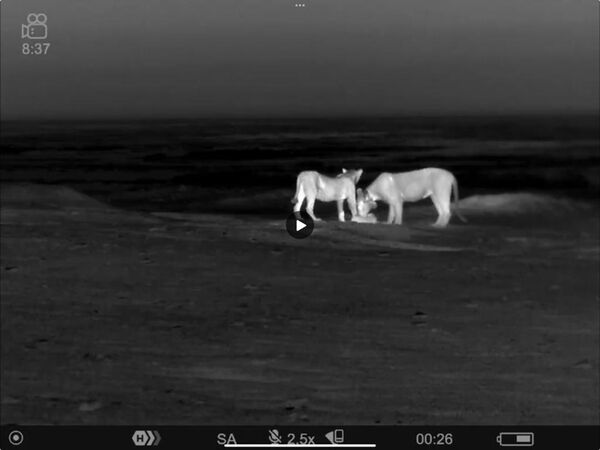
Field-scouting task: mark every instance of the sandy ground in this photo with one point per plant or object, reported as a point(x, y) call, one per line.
point(115, 317)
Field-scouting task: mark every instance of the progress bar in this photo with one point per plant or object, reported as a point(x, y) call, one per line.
point(300, 445)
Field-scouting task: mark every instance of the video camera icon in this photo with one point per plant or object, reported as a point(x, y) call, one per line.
point(36, 27)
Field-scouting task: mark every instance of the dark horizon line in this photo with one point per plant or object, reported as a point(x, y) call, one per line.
point(302, 116)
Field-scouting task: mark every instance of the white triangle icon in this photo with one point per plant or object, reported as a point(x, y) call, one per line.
point(330, 438)
point(300, 225)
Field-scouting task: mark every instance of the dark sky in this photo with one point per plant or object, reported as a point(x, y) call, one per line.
point(114, 58)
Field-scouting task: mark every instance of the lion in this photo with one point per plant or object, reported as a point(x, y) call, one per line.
point(364, 208)
point(397, 188)
point(311, 185)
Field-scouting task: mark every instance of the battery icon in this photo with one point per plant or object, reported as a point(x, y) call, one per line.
point(515, 439)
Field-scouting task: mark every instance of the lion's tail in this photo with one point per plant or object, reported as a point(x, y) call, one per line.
point(456, 208)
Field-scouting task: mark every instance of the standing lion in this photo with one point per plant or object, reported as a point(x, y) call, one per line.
point(397, 188)
point(311, 185)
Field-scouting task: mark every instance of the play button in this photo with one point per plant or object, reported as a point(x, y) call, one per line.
point(299, 225)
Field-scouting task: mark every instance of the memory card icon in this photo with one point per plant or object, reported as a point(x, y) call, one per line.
point(515, 439)
point(336, 436)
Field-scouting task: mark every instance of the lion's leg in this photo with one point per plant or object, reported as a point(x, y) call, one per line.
point(340, 208)
point(310, 204)
point(442, 207)
point(446, 212)
point(398, 212)
point(299, 201)
point(390, 218)
point(352, 204)
point(438, 208)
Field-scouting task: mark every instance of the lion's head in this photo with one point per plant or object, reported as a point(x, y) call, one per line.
point(364, 202)
point(354, 175)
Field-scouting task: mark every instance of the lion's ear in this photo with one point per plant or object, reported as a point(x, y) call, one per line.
point(344, 171)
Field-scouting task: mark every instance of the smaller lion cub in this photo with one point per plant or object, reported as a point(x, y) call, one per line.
point(364, 208)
